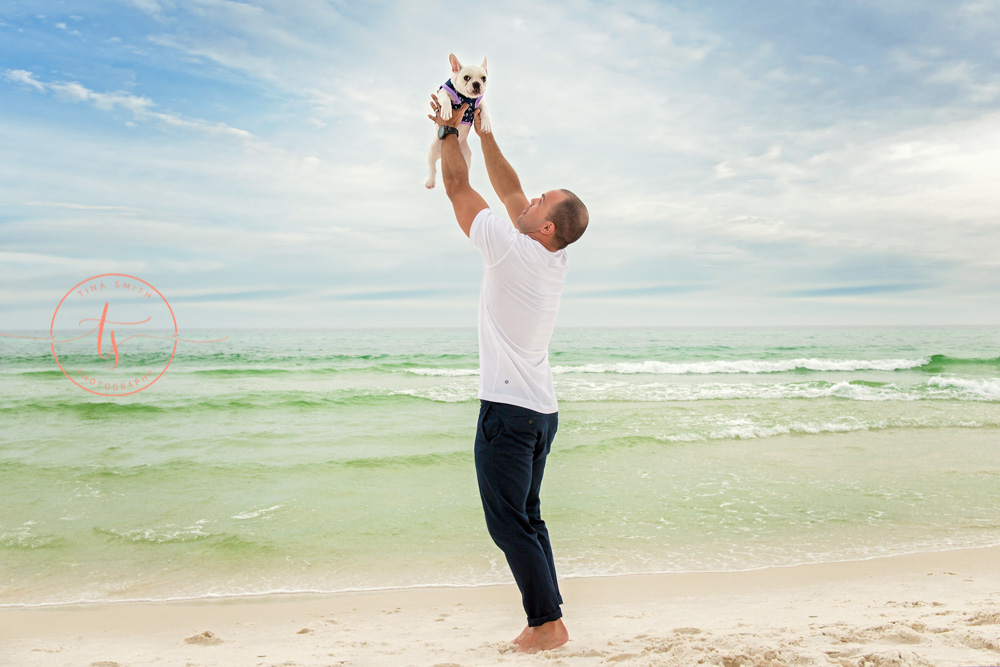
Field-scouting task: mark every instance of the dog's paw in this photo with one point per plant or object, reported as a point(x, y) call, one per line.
point(429, 184)
point(484, 125)
point(446, 111)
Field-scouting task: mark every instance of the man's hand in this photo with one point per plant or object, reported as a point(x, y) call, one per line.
point(478, 124)
point(456, 114)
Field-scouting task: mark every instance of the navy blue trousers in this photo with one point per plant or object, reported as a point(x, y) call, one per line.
point(511, 446)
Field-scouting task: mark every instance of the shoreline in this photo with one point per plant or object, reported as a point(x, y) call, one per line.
point(939, 607)
point(279, 594)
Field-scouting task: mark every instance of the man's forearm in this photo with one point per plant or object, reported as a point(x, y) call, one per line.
point(454, 170)
point(502, 176)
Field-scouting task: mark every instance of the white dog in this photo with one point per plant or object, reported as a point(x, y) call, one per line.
point(466, 85)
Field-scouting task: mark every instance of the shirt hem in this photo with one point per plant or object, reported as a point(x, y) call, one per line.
point(521, 403)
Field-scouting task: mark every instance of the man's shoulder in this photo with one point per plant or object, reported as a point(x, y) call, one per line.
point(484, 217)
point(493, 235)
point(490, 220)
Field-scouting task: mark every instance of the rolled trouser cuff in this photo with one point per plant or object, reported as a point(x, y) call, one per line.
point(541, 620)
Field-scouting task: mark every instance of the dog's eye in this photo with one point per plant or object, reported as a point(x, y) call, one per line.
point(467, 78)
point(484, 79)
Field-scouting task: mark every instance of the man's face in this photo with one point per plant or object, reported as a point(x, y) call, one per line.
point(534, 217)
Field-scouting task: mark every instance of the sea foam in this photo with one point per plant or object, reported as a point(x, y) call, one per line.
point(987, 389)
point(750, 366)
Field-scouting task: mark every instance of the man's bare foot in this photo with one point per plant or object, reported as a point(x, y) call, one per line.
point(524, 633)
point(544, 637)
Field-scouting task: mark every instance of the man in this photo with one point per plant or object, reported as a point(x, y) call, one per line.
point(523, 278)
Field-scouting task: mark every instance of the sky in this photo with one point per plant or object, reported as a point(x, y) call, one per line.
point(262, 164)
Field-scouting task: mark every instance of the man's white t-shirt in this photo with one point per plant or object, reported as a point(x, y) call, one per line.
point(518, 303)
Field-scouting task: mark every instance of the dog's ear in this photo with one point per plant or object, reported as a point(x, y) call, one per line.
point(455, 65)
point(484, 64)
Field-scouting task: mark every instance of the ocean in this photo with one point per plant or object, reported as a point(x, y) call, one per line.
point(298, 461)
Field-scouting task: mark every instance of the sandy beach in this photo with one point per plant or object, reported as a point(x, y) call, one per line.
point(923, 609)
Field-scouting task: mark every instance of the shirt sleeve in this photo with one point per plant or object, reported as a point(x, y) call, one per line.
point(492, 235)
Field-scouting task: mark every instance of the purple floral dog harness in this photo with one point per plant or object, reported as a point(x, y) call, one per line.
point(458, 99)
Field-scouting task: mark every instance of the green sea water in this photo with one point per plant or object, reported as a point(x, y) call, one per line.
point(295, 461)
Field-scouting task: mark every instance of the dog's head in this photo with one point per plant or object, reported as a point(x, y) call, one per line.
point(469, 80)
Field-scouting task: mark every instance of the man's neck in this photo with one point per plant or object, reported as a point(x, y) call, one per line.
point(542, 239)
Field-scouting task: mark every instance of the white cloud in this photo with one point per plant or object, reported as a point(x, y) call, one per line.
point(23, 77)
point(29, 265)
point(934, 66)
point(80, 207)
point(151, 7)
point(139, 107)
point(979, 15)
point(961, 74)
point(928, 192)
point(74, 92)
point(201, 125)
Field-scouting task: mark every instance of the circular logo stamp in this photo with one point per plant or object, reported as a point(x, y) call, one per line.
point(113, 334)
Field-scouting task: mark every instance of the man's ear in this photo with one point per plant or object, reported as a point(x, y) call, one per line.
point(484, 64)
point(455, 65)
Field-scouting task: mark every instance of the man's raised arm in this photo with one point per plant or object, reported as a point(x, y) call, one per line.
point(455, 172)
point(502, 176)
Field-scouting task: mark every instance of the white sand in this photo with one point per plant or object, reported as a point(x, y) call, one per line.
point(924, 609)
